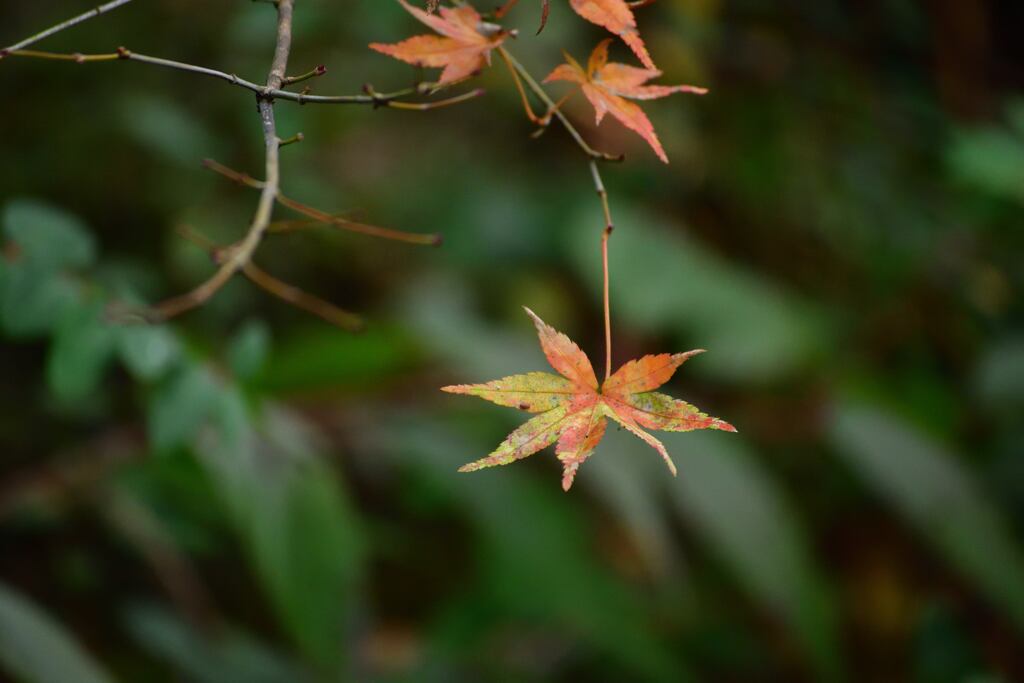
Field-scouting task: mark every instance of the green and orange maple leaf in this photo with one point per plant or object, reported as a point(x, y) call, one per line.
point(573, 408)
point(462, 49)
point(610, 86)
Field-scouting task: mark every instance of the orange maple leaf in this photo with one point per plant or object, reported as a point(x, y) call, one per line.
point(573, 408)
point(617, 17)
point(607, 85)
point(462, 48)
point(614, 15)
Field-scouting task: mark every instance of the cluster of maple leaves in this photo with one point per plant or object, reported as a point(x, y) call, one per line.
point(572, 407)
point(465, 41)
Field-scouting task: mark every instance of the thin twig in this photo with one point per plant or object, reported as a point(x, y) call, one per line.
point(297, 138)
point(609, 226)
point(320, 217)
point(300, 299)
point(242, 254)
point(431, 239)
point(282, 290)
point(85, 16)
point(595, 156)
point(522, 91)
point(426, 106)
point(320, 70)
point(371, 97)
point(553, 108)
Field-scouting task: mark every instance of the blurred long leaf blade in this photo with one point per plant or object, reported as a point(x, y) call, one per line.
point(928, 485)
point(746, 518)
point(36, 649)
point(301, 534)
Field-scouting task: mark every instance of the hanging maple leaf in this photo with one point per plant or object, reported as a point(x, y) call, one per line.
point(462, 48)
point(573, 409)
point(617, 17)
point(607, 85)
point(614, 15)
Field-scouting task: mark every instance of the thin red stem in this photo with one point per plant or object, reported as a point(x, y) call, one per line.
point(605, 234)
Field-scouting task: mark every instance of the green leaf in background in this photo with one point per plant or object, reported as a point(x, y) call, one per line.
point(82, 349)
point(733, 503)
point(301, 533)
point(999, 377)
point(666, 281)
point(225, 657)
point(440, 312)
point(167, 129)
point(33, 297)
point(180, 406)
point(148, 351)
point(249, 349)
point(324, 356)
point(928, 485)
point(36, 649)
point(626, 491)
point(33, 300)
point(991, 159)
point(46, 236)
point(536, 563)
point(306, 549)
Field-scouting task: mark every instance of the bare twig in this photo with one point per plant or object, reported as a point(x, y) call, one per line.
point(94, 12)
point(320, 70)
point(298, 137)
point(430, 239)
point(282, 290)
point(242, 254)
point(609, 226)
point(370, 97)
point(233, 175)
point(300, 299)
point(553, 108)
point(519, 71)
point(320, 217)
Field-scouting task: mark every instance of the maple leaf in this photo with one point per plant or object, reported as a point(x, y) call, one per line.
point(572, 408)
point(462, 48)
point(614, 15)
point(617, 17)
point(608, 85)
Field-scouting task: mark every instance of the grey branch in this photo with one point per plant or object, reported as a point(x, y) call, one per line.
point(241, 254)
point(94, 12)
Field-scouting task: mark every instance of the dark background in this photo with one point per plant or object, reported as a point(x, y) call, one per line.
point(248, 494)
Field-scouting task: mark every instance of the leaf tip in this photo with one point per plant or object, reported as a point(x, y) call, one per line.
point(724, 426)
point(536, 318)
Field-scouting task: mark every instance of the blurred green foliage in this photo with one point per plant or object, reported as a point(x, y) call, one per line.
point(246, 494)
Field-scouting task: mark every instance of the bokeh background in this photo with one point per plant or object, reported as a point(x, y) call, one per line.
point(247, 494)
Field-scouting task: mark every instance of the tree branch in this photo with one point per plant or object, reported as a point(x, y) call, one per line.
point(242, 254)
point(94, 12)
point(609, 226)
point(320, 217)
point(370, 96)
point(517, 68)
